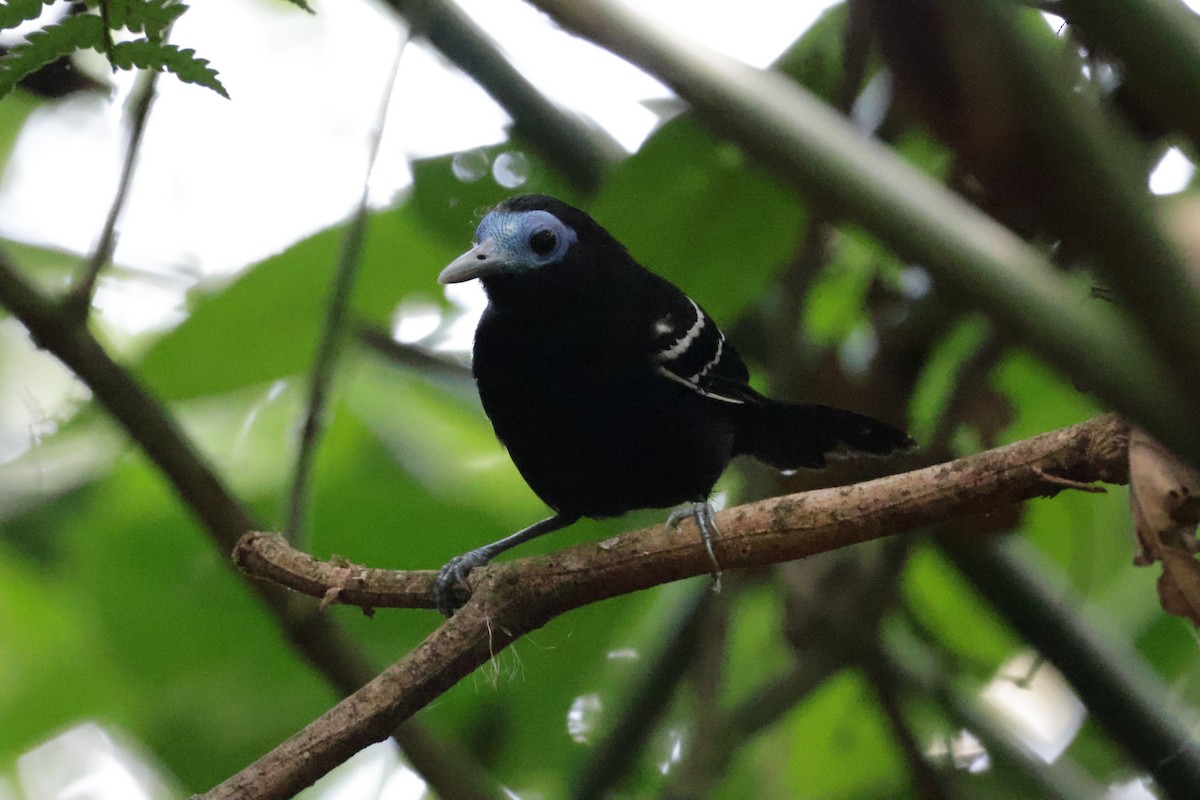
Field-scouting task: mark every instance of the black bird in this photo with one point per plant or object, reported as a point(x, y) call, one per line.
point(611, 388)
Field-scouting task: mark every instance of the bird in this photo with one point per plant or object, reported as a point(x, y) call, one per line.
point(613, 390)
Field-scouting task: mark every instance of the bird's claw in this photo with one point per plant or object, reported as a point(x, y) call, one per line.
point(450, 589)
point(703, 515)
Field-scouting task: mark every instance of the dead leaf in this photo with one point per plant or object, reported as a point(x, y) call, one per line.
point(1164, 494)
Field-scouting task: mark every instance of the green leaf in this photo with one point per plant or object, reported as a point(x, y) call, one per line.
point(265, 325)
point(303, 4)
point(939, 375)
point(449, 206)
point(43, 47)
point(839, 724)
point(696, 212)
point(815, 60)
point(163, 57)
point(941, 599)
point(13, 114)
point(443, 441)
point(51, 672)
point(198, 657)
point(79, 31)
point(837, 301)
point(151, 17)
point(14, 12)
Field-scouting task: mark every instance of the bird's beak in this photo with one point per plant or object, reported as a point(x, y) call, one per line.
point(480, 261)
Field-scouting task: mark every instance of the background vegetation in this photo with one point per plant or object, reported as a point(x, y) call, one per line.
point(843, 274)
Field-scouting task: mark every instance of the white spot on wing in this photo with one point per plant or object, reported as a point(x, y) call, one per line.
point(680, 347)
point(663, 326)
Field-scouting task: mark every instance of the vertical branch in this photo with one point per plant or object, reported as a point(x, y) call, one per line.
point(613, 756)
point(79, 299)
point(928, 782)
point(321, 376)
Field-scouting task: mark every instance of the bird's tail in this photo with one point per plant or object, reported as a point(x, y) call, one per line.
point(793, 435)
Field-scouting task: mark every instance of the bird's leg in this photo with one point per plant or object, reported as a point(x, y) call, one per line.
point(702, 515)
point(450, 588)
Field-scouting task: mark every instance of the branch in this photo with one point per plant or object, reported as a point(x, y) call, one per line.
point(1158, 44)
point(512, 598)
point(808, 145)
point(1111, 212)
point(200, 488)
point(411, 356)
point(580, 151)
point(79, 299)
point(319, 640)
point(607, 764)
point(928, 782)
point(329, 347)
point(922, 670)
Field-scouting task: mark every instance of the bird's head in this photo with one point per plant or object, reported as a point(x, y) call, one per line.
point(522, 236)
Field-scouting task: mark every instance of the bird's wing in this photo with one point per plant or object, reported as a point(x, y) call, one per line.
point(691, 350)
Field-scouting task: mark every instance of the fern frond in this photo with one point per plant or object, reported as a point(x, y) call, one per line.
point(48, 45)
point(14, 12)
point(81, 31)
point(182, 63)
point(151, 17)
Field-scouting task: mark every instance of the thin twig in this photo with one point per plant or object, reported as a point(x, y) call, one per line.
point(321, 376)
point(413, 356)
point(79, 299)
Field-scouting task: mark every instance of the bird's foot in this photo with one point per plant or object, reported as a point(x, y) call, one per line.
point(450, 589)
point(703, 515)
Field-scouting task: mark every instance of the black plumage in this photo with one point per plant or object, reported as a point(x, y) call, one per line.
point(611, 388)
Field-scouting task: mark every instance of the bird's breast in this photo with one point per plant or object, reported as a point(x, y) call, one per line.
point(589, 422)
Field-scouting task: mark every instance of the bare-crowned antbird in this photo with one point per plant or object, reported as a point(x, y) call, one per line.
point(611, 388)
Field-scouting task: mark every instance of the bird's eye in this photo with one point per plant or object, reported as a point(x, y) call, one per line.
point(543, 242)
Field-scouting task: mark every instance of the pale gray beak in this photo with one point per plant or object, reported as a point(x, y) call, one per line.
point(480, 261)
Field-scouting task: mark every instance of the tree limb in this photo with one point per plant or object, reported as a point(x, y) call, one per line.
point(316, 637)
point(808, 145)
point(578, 149)
point(512, 598)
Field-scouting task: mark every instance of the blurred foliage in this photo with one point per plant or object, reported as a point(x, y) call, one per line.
point(113, 606)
